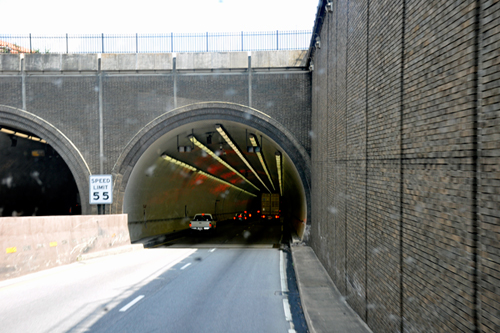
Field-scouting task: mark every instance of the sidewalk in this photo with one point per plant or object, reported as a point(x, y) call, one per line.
point(324, 307)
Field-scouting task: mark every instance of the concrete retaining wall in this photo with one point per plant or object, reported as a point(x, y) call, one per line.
point(31, 244)
point(36, 62)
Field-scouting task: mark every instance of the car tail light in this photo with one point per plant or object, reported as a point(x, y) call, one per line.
point(234, 218)
point(190, 224)
point(249, 215)
point(258, 212)
point(245, 217)
point(245, 212)
point(210, 225)
point(263, 216)
point(277, 216)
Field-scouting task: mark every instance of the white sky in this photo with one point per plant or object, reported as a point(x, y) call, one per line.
point(148, 16)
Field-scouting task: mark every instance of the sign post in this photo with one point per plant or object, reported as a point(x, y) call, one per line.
point(101, 190)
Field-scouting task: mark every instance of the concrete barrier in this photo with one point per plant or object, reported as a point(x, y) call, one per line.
point(31, 244)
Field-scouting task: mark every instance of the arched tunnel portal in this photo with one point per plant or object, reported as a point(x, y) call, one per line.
point(42, 172)
point(161, 178)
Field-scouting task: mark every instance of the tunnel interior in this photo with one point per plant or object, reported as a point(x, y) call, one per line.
point(34, 179)
point(179, 176)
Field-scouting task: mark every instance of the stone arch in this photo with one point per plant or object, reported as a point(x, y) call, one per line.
point(26, 121)
point(206, 111)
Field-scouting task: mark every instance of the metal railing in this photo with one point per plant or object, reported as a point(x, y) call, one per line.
point(156, 43)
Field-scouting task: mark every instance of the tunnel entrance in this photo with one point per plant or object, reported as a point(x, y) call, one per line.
point(214, 166)
point(35, 180)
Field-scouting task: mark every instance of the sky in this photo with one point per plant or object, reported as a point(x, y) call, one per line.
point(147, 16)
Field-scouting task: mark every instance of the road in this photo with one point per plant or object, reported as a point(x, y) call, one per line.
point(231, 234)
point(177, 289)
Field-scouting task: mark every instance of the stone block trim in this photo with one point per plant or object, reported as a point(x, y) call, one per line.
point(10, 62)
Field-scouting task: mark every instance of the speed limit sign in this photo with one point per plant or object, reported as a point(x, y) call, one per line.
point(101, 189)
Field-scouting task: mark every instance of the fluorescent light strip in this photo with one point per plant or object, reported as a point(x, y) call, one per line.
point(220, 160)
point(253, 140)
point(179, 163)
point(22, 135)
point(278, 166)
point(192, 168)
point(225, 182)
point(237, 151)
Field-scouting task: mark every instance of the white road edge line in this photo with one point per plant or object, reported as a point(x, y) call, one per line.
point(284, 284)
point(212, 250)
point(286, 307)
point(284, 289)
point(185, 266)
point(126, 307)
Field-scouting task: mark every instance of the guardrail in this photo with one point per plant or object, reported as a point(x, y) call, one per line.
point(156, 43)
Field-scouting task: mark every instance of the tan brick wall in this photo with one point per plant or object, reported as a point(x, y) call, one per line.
point(410, 132)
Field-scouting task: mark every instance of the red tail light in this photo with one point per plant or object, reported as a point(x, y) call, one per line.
point(249, 215)
point(234, 218)
point(277, 216)
point(190, 225)
point(258, 212)
point(263, 216)
point(210, 225)
point(245, 212)
point(245, 217)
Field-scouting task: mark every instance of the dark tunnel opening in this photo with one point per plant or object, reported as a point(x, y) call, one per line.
point(34, 178)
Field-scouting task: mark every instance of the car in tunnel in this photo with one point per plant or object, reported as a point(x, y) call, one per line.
point(203, 221)
point(243, 216)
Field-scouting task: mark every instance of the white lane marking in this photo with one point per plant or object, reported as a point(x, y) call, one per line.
point(286, 307)
point(185, 266)
point(126, 307)
point(212, 250)
point(284, 284)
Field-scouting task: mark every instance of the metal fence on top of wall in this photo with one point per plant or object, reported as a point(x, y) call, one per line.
point(156, 43)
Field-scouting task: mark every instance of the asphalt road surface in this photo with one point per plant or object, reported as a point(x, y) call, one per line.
point(229, 287)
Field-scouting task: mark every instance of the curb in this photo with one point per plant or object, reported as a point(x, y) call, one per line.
point(324, 307)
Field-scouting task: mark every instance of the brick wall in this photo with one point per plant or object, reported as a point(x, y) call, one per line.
point(488, 196)
point(412, 136)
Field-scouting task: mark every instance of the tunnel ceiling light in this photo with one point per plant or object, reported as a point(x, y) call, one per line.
point(225, 182)
point(220, 160)
point(255, 144)
point(221, 131)
point(279, 165)
point(22, 135)
point(192, 168)
point(179, 163)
